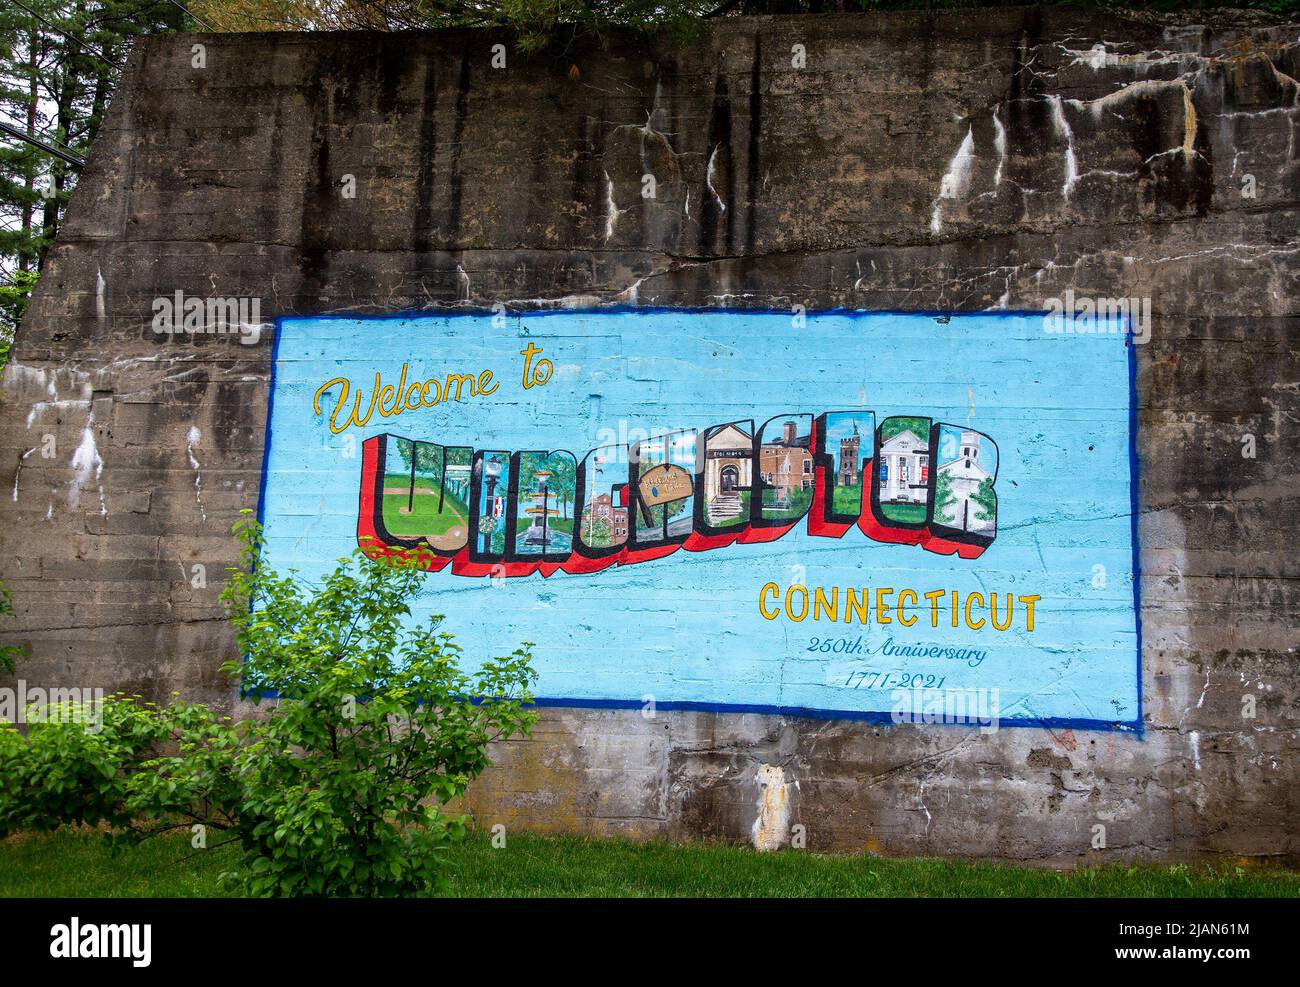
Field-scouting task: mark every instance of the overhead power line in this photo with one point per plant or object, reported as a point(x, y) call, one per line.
point(71, 159)
point(80, 44)
point(46, 135)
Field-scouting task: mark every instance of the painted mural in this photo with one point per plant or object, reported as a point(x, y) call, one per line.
point(839, 515)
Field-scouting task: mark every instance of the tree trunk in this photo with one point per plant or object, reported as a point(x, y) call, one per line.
point(29, 211)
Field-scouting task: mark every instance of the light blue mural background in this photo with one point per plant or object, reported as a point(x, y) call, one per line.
point(686, 629)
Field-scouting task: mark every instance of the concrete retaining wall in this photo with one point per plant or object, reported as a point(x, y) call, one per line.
point(948, 162)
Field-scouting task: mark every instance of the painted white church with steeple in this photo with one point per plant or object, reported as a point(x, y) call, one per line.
point(966, 475)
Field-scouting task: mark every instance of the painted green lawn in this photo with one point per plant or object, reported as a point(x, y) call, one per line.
point(908, 513)
point(424, 518)
point(848, 500)
point(797, 504)
point(76, 864)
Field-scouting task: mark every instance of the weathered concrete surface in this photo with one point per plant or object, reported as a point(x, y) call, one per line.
point(521, 185)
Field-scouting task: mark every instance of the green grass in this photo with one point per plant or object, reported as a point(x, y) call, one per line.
point(78, 864)
point(404, 480)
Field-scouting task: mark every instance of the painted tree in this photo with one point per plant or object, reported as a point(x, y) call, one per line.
point(564, 481)
point(986, 499)
point(944, 497)
point(596, 532)
point(427, 455)
point(920, 427)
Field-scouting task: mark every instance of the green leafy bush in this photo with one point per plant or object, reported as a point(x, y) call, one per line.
point(373, 727)
point(9, 653)
point(339, 789)
point(74, 763)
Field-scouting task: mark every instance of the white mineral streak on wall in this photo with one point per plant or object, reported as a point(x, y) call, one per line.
point(19, 471)
point(612, 211)
point(86, 460)
point(1063, 131)
point(999, 145)
point(1099, 57)
point(708, 177)
point(956, 180)
point(40, 407)
point(772, 826)
point(631, 293)
point(27, 376)
point(565, 301)
point(47, 381)
point(1096, 58)
point(191, 440)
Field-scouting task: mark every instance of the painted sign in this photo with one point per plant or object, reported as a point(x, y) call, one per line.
point(840, 515)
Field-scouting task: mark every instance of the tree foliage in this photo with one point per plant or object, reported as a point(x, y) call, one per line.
point(60, 61)
point(534, 23)
point(986, 499)
point(14, 296)
point(538, 22)
point(944, 497)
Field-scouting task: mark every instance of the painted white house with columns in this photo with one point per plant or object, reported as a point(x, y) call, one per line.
point(904, 469)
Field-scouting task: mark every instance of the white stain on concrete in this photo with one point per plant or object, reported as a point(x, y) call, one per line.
point(612, 211)
point(631, 294)
point(1063, 131)
point(34, 377)
point(956, 180)
point(85, 461)
point(709, 174)
point(999, 145)
point(191, 440)
point(1147, 87)
point(19, 471)
point(771, 829)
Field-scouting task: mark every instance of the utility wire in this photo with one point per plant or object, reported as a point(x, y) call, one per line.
point(80, 44)
point(73, 160)
point(38, 132)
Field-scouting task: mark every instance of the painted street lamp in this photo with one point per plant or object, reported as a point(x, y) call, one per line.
point(492, 469)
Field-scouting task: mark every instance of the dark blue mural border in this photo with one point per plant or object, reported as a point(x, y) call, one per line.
point(1134, 726)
